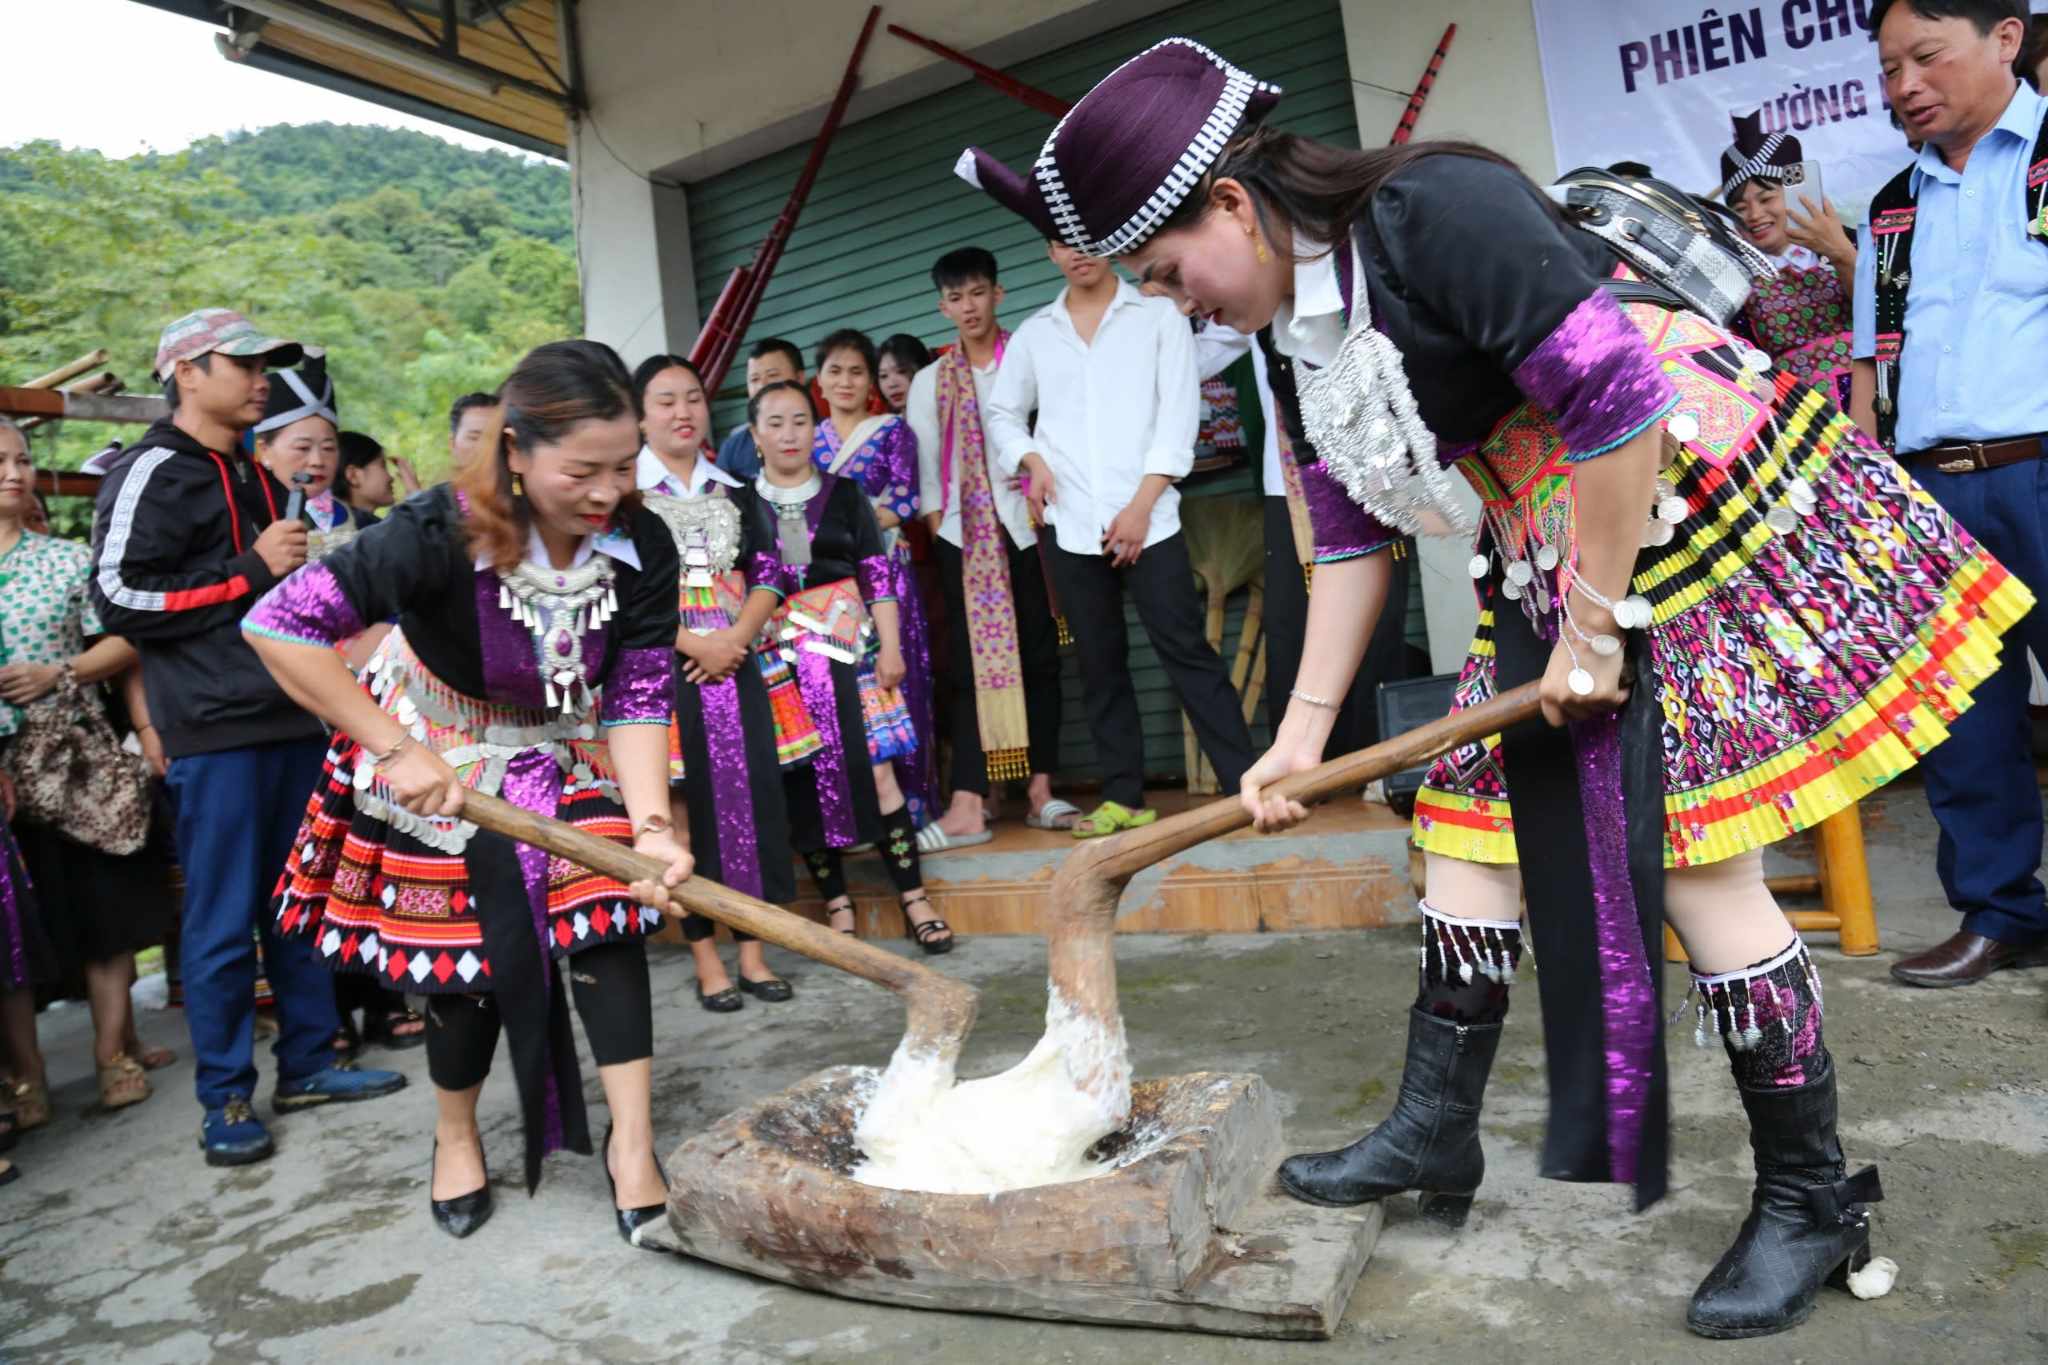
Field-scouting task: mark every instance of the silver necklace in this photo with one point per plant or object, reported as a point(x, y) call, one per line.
point(557, 606)
point(792, 516)
point(706, 529)
point(1362, 418)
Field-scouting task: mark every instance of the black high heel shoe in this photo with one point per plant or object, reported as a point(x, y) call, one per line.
point(935, 936)
point(465, 1213)
point(632, 1222)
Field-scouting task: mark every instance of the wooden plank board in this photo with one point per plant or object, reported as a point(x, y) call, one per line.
point(487, 43)
point(526, 114)
point(86, 407)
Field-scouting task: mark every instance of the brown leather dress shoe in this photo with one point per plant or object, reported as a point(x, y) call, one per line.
point(1966, 958)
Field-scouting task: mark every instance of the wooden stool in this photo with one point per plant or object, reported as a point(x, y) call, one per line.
point(1227, 548)
point(1843, 885)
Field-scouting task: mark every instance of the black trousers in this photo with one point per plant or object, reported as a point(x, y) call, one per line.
point(613, 997)
point(1038, 653)
point(1386, 654)
point(1162, 587)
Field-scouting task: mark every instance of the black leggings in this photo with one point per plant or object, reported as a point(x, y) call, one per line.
point(609, 983)
point(898, 850)
point(697, 928)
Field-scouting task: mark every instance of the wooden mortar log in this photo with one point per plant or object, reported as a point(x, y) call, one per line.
point(1088, 885)
point(939, 1010)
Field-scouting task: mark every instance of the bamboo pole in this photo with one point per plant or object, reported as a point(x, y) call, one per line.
point(1422, 88)
point(940, 1010)
point(91, 360)
point(1000, 81)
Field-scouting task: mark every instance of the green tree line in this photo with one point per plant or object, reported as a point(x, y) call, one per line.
point(425, 269)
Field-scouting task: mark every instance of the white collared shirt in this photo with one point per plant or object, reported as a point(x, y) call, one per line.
point(921, 410)
point(1110, 412)
point(1217, 347)
point(614, 545)
point(653, 476)
point(1310, 327)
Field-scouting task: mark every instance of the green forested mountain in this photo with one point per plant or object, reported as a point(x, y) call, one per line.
point(287, 168)
point(425, 269)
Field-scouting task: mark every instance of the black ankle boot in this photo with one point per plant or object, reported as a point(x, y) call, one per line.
point(1807, 1224)
point(1429, 1143)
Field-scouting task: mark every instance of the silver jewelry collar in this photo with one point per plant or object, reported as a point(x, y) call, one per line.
point(783, 498)
point(1361, 416)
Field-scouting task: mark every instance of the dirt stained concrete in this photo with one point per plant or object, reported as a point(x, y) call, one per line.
point(120, 1245)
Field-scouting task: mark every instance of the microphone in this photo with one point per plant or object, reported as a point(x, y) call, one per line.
point(300, 482)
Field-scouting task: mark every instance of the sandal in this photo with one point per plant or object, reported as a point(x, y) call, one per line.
point(9, 1173)
point(7, 1130)
point(153, 1058)
point(381, 1028)
point(852, 917)
point(1111, 818)
point(346, 1041)
point(31, 1105)
point(1054, 815)
point(123, 1082)
point(934, 935)
point(932, 839)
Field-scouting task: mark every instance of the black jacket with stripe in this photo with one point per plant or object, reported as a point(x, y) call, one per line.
point(174, 570)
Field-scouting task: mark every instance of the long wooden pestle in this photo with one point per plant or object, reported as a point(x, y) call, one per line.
point(1081, 908)
point(1088, 885)
point(940, 1010)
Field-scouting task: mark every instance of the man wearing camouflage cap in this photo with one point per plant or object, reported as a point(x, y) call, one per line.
point(187, 535)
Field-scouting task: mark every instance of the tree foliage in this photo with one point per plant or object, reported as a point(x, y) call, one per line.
point(425, 269)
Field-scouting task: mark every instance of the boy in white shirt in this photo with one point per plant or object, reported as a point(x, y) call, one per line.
point(1112, 377)
point(1005, 665)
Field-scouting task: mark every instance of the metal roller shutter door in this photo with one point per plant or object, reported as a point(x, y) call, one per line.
point(886, 204)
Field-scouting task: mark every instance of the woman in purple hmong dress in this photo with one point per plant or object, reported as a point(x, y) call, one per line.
point(729, 792)
point(534, 587)
point(880, 455)
point(839, 630)
point(1742, 617)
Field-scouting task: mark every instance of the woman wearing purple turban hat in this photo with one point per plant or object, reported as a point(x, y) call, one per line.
point(1743, 615)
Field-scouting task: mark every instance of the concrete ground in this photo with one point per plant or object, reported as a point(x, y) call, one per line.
point(119, 1244)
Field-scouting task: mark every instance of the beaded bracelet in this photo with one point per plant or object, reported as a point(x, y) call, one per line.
point(1300, 695)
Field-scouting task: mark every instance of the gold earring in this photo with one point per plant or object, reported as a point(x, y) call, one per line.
point(1258, 245)
point(518, 488)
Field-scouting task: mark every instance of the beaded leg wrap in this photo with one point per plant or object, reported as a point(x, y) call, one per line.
point(1467, 967)
point(1768, 1016)
point(899, 850)
point(1809, 1222)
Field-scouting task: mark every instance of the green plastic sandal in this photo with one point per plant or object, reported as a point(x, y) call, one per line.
point(1111, 818)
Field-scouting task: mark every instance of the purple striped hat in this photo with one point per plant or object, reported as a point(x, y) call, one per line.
point(1125, 157)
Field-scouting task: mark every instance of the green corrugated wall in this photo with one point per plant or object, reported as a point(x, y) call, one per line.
point(886, 204)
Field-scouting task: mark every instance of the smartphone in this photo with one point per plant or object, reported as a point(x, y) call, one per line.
point(1802, 187)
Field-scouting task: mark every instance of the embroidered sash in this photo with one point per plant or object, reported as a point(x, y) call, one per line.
point(991, 623)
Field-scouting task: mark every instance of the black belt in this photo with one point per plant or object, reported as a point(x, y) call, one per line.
point(1969, 457)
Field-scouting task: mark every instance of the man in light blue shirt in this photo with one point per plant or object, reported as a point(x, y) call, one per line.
point(1971, 424)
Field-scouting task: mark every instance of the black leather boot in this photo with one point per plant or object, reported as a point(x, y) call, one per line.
point(1430, 1143)
point(1807, 1224)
